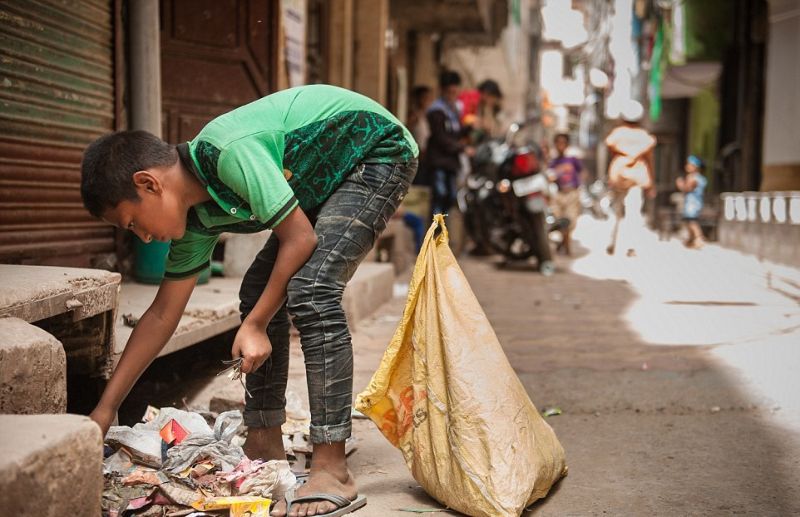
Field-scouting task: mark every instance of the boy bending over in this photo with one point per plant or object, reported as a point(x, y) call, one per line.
point(324, 168)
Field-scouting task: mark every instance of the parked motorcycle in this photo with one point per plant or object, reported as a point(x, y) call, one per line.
point(504, 201)
point(596, 200)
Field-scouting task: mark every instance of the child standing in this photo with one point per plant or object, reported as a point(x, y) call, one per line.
point(693, 185)
point(324, 168)
point(566, 172)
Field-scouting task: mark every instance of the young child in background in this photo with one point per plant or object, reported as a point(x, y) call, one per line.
point(693, 185)
point(567, 173)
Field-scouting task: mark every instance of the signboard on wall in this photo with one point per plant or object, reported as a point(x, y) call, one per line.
point(294, 34)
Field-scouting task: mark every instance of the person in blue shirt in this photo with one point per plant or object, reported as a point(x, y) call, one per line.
point(693, 185)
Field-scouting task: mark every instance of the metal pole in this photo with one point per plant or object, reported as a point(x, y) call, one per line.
point(145, 66)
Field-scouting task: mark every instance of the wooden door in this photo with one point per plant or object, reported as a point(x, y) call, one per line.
point(216, 55)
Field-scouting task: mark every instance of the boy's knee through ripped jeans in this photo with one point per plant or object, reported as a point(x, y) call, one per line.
point(347, 225)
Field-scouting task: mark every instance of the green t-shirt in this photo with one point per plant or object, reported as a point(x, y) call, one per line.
point(260, 161)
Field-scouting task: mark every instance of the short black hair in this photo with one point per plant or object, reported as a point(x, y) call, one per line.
point(109, 164)
point(418, 93)
point(565, 136)
point(491, 87)
point(449, 78)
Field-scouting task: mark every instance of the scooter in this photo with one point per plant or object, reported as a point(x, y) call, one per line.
point(505, 201)
point(595, 200)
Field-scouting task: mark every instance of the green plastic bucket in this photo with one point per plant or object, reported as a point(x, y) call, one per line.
point(150, 259)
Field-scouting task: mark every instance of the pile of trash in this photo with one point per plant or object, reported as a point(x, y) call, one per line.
point(175, 464)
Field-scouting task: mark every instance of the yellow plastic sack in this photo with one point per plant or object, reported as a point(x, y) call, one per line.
point(447, 397)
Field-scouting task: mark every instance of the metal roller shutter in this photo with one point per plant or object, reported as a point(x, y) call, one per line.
point(56, 96)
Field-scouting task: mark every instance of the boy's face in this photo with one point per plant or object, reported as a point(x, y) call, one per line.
point(450, 93)
point(156, 215)
point(561, 144)
point(490, 100)
point(690, 168)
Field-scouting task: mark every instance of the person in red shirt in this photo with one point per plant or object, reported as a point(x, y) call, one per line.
point(479, 108)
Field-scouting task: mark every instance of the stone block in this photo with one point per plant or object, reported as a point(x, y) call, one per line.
point(33, 370)
point(371, 286)
point(240, 250)
point(50, 465)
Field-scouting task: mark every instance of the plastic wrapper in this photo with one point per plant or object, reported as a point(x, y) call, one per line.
point(225, 503)
point(272, 480)
point(215, 447)
point(447, 397)
point(143, 444)
point(173, 432)
point(143, 441)
point(118, 463)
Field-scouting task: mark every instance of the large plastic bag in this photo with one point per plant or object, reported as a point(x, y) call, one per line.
point(447, 397)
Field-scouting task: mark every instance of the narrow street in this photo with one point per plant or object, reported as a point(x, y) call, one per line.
point(150, 148)
point(676, 394)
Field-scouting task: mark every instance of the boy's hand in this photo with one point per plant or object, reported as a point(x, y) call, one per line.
point(251, 344)
point(103, 417)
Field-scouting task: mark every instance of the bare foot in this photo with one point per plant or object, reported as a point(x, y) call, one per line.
point(265, 443)
point(329, 474)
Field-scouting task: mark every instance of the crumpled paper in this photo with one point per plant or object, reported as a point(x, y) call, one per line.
point(269, 479)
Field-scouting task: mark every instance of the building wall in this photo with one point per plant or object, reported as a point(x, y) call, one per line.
point(781, 156)
point(506, 62)
point(371, 59)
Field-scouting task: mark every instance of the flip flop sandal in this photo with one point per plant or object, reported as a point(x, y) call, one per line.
point(344, 505)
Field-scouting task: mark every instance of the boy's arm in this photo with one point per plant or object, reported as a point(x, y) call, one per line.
point(297, 242)
point(148, 338)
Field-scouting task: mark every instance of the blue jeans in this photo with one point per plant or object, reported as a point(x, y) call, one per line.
point(444, 191)
point(346, 225)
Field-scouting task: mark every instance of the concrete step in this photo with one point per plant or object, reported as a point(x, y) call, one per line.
point(371, 286)
point(75, 305)
point(33, 370)
point(212, 310)
point(50, 465)
point(214, 307)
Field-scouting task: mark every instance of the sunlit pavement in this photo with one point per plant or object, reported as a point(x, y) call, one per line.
point(748, 310)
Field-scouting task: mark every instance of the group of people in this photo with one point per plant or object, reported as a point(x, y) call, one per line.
point(447, 129)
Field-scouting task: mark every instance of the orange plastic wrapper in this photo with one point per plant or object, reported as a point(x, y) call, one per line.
point(238, 505)
point(254, 509)
point(172, 432)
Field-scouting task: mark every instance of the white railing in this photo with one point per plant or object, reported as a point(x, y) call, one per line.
point(765, 224)
point(763, 207)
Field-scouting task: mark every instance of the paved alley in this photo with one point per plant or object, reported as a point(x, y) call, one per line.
point(675, 372)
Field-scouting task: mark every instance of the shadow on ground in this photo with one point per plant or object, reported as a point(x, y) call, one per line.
point(175, 378)
point(648, 429)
